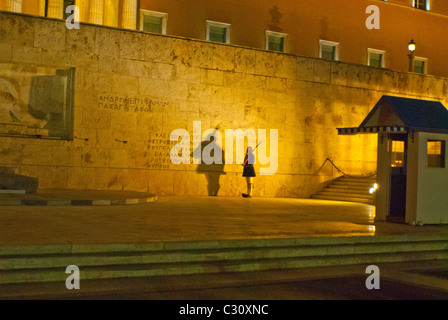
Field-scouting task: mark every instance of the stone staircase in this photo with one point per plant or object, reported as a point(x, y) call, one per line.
point(348, 189)
point(39, 264)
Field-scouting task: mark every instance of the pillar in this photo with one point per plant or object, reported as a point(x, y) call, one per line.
point(42, 4)
point(83, 6)
point(411, 62)
point(111, 8)
point(96, 10)
point(14, 5)
point(55, 9)
point(129, 15)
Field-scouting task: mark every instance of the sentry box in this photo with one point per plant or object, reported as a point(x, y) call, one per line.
point(412, 173)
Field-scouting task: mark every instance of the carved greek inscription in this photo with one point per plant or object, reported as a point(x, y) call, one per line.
point(130, 104)
point(159, 147)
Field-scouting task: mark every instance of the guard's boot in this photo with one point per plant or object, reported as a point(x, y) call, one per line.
point(250, 188)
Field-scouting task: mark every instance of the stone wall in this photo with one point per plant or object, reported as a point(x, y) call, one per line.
point(133, 89)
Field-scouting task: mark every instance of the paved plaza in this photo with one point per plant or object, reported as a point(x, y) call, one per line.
point(186, 218)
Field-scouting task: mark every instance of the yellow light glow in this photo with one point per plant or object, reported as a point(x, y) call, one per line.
point(435, 147)
point(398, 146)
point(411, 46)
point(374, 188)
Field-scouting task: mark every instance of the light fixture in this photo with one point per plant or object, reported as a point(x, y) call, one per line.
point(373, 189)
point(411, 46)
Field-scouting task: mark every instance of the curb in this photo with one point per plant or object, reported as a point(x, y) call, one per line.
point(77, 202)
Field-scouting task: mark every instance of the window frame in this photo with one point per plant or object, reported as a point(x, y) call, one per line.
point(329, 43)
point(269, 33)
point(427, 5)
point(377, 51)
point(210, 23)
point(442, 155)
point(158, 14)
point(425, 67)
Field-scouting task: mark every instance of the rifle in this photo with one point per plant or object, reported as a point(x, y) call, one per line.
point(247, 159)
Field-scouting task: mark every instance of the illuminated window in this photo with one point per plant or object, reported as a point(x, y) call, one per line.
point(218, 32)
point(421, 4)
point(436, 154)
point(152, 21)
point(376, 58)
point(276, 41)
point(397, 154)
point(328, 50)
point(420, 65)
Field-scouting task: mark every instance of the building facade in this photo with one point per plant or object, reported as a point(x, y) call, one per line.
point(95, 107)
point(323, 29)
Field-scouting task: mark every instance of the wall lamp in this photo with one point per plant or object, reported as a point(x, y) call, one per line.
point(411, 47)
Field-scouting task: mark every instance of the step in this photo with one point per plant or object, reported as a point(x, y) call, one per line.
point(333, 188)
point(353, 184)
point(351, 195)
point(353, 179)
point(344, 191)
point(48, 263)
point(103, 259)
point(342, 198)
point(351, 187)
point(347, 191)
point(216, 267)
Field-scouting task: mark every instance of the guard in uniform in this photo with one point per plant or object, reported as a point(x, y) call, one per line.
point(249, 172)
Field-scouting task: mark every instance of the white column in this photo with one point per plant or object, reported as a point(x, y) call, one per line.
point(55, 9)
point(14, 5)
point(111, 8)
point(83, 6)
point(129, 15)
point(42, 8)
point(96, 9)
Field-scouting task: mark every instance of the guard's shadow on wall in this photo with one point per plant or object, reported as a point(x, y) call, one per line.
point(211, 171)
